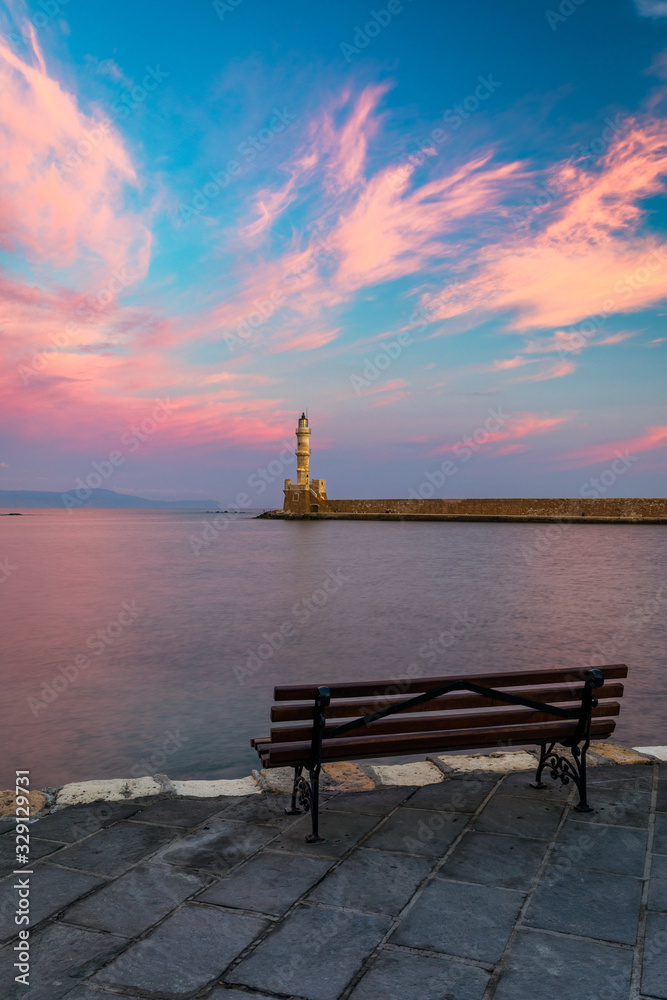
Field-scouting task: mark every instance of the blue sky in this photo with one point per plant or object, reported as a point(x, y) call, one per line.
point(426, 223)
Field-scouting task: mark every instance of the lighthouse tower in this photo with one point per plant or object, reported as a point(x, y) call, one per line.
point(303, 452)
point(306, 495)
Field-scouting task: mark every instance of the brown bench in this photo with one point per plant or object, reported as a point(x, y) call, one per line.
point(375, 719)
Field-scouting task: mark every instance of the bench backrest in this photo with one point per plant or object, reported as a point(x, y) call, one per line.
point(458, 719)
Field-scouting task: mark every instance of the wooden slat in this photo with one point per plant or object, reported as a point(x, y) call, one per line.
point(349, 709)
point(283, 754)
point(515, 678)
point(442, 722)
point(258, 740)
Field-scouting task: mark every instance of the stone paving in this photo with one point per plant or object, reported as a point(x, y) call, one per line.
point(473, 888)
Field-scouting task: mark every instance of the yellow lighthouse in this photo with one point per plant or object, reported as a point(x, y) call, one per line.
point(303, 452)
point(305, 496)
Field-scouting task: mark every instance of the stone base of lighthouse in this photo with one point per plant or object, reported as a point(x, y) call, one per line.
point(310, 499)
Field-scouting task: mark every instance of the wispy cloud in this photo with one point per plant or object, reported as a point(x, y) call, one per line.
point(653, 438)
point(652, 8)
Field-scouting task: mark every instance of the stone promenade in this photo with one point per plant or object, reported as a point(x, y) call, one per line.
point(471, 888)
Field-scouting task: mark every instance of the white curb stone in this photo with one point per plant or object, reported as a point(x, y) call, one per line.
point(211, 789)
point(659, 752)
point(118, 789)
point(107, 790)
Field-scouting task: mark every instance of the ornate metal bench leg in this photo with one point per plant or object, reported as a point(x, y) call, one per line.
point(544, 753)
point(580, 756)
point(293, 809)
point(314, 837)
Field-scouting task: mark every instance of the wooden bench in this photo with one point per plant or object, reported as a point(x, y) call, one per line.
point(375, 719)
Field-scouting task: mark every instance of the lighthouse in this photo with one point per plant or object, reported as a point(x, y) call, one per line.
point(303, 452)
point(306, 495)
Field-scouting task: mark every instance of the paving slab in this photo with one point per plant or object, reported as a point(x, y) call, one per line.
point(654, 974)
point(399, 975)
point(216, 847)
point(185, 953)
point(268, 883)
point(633, 776)
point(662, 789)
point(618, 807)
point(313, 954)
point(376, 803)
point(61, 957)
point(265, 810)
point(519, 784)
point(113, 851)
point(76, 822)
point(657, 894)
point(419, 831)
point(660, 835)
point(134, 902)
point(592, 904)
point(455, 918)
point(86, 992)
point(341, 831)
point(496, 860)
point(51, 890)
point(461, 795)
point(223, 994)
point(543, 966)
point(616, 850)
point(184, 813)
point(373, 881)
point(520, 817)
point(38, 849)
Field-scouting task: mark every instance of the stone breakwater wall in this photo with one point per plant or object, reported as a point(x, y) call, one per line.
point(644, 509)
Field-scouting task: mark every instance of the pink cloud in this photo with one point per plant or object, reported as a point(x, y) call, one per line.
point(516, 362)
point(548, 368)
point(655, 437)
point(63, 175)
point(395, 383)
point(513, 429)
point(588, 257)
point(510, 449)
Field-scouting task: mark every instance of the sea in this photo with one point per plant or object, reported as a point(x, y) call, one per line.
point(148, 641)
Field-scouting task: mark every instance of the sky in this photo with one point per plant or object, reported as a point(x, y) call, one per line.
point(441, 228)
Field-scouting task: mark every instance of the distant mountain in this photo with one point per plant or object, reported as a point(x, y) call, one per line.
point(97, 498)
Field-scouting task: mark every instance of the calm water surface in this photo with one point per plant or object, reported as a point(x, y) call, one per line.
point(181, 682)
